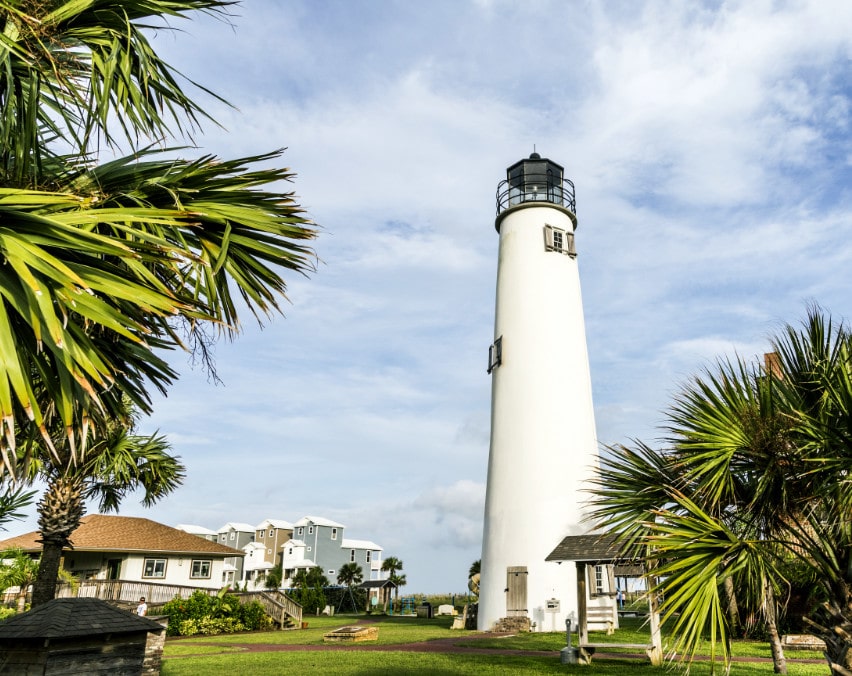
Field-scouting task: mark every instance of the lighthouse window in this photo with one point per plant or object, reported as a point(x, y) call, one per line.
point(561, 241)
point(495, 354)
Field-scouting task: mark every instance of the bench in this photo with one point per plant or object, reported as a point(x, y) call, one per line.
point(598, 615)
point(586, 650)
point(802, 642)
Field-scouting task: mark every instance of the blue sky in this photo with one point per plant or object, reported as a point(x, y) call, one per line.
point(710, 148)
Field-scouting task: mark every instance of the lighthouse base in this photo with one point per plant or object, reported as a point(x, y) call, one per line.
point(514, 625)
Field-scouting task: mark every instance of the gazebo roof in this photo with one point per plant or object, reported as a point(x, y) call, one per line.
point(377, 584)
point(594, 548)
point(63, 618)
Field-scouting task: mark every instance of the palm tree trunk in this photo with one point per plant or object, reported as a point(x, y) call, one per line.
point(59, 514)
point(731, 606)
point(832, 626)
point(779, 662)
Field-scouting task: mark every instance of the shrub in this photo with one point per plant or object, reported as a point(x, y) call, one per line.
point(207, 615)
point(254, 617)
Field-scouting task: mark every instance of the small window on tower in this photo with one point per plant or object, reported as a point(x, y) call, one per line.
point(495, 354)
point(560, 241)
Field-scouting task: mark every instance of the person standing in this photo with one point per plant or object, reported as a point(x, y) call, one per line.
point(142, 608)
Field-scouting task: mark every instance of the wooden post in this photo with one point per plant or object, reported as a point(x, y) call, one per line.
point(655, 654)
point(582, 613)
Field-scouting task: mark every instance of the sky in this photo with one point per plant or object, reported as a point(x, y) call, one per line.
point(711, 148)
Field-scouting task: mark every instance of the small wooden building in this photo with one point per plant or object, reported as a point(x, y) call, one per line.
point(591, 550)
point(379, 590)
point(80, 636)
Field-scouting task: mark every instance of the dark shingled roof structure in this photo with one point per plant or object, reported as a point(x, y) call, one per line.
point(589, 548)
point(376, 584)
point(63, 618)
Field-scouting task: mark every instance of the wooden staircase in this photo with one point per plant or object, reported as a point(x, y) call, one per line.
point(281, 608)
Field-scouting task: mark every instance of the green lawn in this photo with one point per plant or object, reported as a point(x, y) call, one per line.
point(222, 654)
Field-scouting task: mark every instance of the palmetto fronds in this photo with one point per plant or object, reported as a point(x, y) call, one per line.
point(753, 479)
point(126, 250)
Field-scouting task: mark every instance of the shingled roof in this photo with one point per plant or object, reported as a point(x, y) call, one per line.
point(98, 532)
point(597, 548)
point(61, 618)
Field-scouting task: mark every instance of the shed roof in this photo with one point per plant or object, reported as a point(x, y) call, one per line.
point(600, 548)
point(62, 618)
point(98, 532)
point(377, 584)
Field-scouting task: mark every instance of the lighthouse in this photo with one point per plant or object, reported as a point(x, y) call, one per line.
point(543, 443)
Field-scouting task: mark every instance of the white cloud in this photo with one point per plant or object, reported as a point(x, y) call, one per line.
point(711, 152)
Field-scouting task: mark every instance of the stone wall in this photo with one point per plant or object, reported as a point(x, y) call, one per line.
point(512, 624)
point(154, 648)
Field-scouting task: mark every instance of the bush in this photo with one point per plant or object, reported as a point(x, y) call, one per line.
point(254, 617)
point(207, 615)
point(7, 612)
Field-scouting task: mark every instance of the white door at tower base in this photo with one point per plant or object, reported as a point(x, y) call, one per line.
point(516, 591)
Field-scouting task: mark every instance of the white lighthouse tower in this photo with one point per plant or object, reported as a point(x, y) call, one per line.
point(543, 442)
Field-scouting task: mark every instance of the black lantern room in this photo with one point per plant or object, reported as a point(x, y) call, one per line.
point(535, 179)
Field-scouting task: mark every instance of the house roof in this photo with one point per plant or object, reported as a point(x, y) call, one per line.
point(294, 543)
point(62, 618)
point(599, 548)
point(237, 526)
point(360, 544)
point(98, 532)
point(254, 545)
point(274, 523)
point(195, 530)
point(318, 521)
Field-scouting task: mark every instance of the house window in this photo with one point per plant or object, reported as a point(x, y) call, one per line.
point(310, 530)
point(301, 531)
point(223, 537)
point(201, 568)
point(352, 556)
point(333, 533)
point(331, 572)
point(271, 532)
point(560, 241)
point(269, 551)
point(290, 551)
point(233, 534)
point(495, 354)
point(309, 549)
point(369, 554)
point(154, 568)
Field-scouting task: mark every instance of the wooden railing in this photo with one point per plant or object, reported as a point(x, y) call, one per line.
point(130, 591)
point(280, 607)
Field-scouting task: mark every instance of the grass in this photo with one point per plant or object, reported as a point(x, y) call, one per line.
point(224, 654)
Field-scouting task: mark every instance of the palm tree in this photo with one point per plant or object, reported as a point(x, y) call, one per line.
point(751, 483)
point(473, 577)
point(117, 462)
point(391, 565)
point(17, 569)
point(350, 574)
point(105, 265)
point(273, 578)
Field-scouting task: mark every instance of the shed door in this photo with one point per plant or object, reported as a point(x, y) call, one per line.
point(516, 591)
